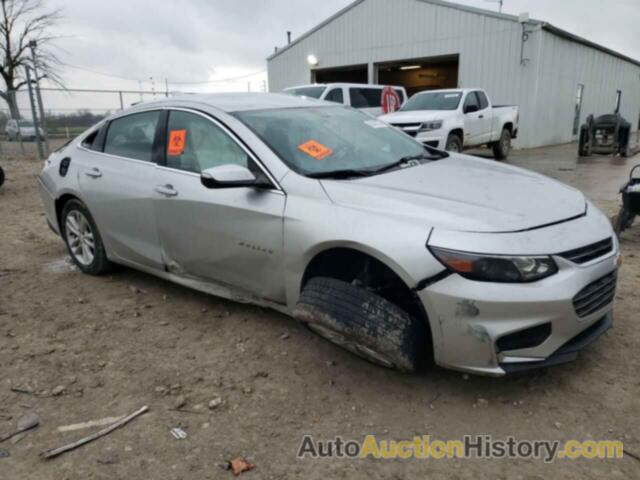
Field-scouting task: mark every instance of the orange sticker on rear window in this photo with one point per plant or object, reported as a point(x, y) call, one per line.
point(177, 139)
point(315, 150)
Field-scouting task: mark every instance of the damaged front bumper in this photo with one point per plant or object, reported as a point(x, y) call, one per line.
point(494, 329)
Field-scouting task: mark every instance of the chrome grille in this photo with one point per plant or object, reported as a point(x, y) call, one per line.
point(596, 295)
point(590, 252)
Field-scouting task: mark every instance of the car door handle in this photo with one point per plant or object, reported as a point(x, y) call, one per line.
point(167, 190)
point(481, 116)
point(93, 173)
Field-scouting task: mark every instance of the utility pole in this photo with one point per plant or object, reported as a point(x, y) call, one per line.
point(153, 86)
point(32, 45)
point(34, 114)
point(499, 2)
point(166, 87)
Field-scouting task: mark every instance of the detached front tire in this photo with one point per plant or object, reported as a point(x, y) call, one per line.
point(363, 323)
point(83, 239)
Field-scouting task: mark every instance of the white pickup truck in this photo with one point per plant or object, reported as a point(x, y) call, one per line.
point(457, 119)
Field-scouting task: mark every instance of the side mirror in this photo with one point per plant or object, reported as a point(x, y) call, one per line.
point(231, 176)
point(471, 109)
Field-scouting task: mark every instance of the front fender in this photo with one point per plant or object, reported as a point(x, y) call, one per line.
point(398, 243)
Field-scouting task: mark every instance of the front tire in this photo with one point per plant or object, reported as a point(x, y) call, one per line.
point(454, 144)
point(83, 239)
point(363, 323)
point(502, 147)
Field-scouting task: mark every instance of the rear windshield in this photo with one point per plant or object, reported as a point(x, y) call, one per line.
point(433, 101)
point(309, 92)
point(365, 97)
point(25, 123)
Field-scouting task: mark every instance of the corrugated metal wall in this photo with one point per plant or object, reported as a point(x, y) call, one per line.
point(377, 31)
point(565, 64)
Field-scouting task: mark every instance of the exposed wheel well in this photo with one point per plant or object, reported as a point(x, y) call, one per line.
point(508, 126)
point(60, 203)
point(361, 269)
point(458, 132)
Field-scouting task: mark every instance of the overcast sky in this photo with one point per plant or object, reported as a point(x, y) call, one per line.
point(204, 40)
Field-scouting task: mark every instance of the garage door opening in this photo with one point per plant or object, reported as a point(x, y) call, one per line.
point(351, 74)
point(421, 74)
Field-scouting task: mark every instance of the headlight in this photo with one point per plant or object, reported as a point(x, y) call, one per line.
point(428, 126)
point(496, 268)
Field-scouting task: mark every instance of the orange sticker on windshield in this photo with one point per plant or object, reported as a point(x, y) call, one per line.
point(177, 140)
point(315, 150)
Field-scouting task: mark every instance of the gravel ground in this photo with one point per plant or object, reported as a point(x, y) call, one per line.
point(75, 348)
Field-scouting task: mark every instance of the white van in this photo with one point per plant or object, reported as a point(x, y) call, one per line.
point(357, 95)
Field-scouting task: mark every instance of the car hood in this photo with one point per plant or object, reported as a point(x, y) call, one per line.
point(416, 116)
point(463, 193)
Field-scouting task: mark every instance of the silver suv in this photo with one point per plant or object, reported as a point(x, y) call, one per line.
point(397, 252)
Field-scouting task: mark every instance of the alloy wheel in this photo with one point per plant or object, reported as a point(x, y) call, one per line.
point(80, 237)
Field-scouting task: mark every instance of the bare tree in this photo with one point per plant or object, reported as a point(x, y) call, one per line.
point(22, 22)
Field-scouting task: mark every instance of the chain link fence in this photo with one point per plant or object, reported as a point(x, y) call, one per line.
point(69, 112)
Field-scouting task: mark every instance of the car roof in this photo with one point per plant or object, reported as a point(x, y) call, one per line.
point(236, 102)
point(341, 84)
point(450, 90)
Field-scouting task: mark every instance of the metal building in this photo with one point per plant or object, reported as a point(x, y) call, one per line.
point(555, 77)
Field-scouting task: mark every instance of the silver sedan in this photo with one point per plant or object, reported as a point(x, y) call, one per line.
point(395, 251)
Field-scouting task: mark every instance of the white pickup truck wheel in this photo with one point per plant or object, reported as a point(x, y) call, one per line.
point(502, 147)
point(454, 144)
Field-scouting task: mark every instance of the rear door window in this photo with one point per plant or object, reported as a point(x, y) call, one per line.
point(471, 99)
point(482, 99)
point(335, 95)
point(132, 136)
point(365, 97)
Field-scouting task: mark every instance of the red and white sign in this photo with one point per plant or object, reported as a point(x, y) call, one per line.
point(390, 100)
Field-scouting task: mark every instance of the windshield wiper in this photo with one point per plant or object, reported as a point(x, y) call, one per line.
point(411, 158)
point(340, 174)
point(350, 173)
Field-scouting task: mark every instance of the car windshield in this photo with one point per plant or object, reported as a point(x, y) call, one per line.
point(25, 123)
point(433, 101)
point(310, 92)
point(318, 140)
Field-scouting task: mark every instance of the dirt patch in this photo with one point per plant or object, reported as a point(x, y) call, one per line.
point(248, 382)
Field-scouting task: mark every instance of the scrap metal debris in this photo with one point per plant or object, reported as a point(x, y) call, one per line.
point(240, 465)
point(178, 433)
point(4, 453)
point(25, 423)
point(54, 452)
